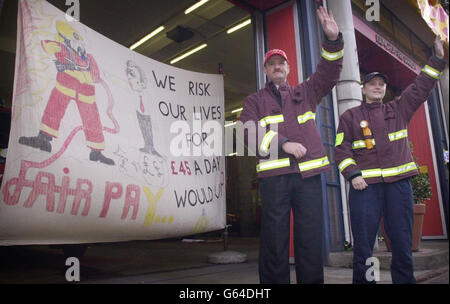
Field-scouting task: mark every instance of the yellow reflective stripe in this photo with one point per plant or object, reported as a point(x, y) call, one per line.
point(398, 135)
point(305, 117)
point(371, 173)
point(345, 163)
point(96, 146)
point(313, 164)
point(332, 56)
point(267, 140)
point(339, 139)
point(399, 170)
point(81, 76)
point(65, 90)
point(49, 130)
point(432, 72)
point(389, 172)
point(71, 93)
point(273, 164)
point(271, 120)
point(86, 99)
point(360, 144)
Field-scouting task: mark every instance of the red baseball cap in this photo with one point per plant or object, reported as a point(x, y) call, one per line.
point(275, 52)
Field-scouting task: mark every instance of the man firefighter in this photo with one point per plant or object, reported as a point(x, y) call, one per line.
point(293, 179)
point(77, 73)
point(372, 152)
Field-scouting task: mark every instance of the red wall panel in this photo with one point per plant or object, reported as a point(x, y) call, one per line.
point(418, 134)
point(281, 35)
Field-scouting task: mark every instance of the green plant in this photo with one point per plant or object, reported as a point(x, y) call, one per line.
point(420, 183)
point(421, 188)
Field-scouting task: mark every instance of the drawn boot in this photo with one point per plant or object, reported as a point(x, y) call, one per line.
point(149, 149)
point(154, 152)
point(98, 156)
point(42, 142)
point(145, 124)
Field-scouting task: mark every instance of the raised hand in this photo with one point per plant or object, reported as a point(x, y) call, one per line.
point(328, 23)
point(439, 47)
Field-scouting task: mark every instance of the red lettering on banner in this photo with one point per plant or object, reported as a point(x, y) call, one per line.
point(82, 194)
point(110, 194)
point(132, 198)
point(183, 168)
point(63, 194)
point(41, 188)
point(44, 184)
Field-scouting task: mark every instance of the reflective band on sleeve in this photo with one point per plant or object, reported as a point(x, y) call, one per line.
point(339, 139)
point(267, 140)
point(371, 173)
point(313, 164)
point(305, 117)
point(432, 72)
point(399, 170)
point(332, 56)
point(273, 164)
point(345, 163)
point(360, 144)
point(271, 120)
point(398, 135)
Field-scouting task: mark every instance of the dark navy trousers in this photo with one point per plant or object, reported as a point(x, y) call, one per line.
point(395, 202)
point(279, 195)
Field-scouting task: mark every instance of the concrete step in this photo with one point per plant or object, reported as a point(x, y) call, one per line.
point(428, 257)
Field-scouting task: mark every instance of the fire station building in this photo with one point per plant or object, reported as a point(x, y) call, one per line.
point(391, 37)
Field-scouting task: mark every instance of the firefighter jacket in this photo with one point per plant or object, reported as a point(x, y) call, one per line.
point(289, 114)
point(75, 80)
point(76, 75)
point(383, 156)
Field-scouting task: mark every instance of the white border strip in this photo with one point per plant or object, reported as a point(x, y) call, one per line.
point(436, 175)
point(298, 43)
point(443, 116)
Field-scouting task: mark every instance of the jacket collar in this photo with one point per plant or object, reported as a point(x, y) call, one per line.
point(373, 105)
point(270, 85)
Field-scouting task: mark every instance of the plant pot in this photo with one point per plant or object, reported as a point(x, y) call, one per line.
point(419, 213)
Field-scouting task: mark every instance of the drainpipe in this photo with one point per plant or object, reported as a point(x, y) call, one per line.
point(347, 93)
point(444, 89)
point(348, 88)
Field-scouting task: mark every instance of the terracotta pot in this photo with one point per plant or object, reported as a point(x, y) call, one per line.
point(419, 213)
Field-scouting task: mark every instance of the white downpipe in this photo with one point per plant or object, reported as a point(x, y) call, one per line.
point(436, 176)
point(345, 211)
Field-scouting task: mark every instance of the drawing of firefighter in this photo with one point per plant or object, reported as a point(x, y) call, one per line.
point(77, 72)
point(138, 83)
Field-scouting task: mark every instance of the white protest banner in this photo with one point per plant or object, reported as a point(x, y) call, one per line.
point(104, 143)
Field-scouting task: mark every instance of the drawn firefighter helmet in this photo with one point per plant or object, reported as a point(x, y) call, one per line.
point(65, 31)
point(70, 37)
